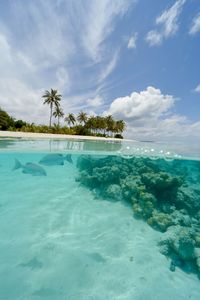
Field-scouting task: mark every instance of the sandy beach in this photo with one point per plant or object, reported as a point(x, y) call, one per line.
point(19, 134)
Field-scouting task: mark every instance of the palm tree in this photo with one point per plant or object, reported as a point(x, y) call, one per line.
point(82, 117)
point(51, 98)
point(110, 123)
point(120, 126)
point(58, 113)
point(70, 119)
point(91, 123)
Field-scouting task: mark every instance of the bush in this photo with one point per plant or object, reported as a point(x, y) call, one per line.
point(5, 120)
point(118, 136)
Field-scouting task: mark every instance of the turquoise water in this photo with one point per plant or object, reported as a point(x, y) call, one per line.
point(99, 220)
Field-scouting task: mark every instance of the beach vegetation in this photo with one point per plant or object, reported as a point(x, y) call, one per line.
point(82, 124)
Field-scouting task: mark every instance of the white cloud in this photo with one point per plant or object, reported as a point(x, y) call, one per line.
point(148, 104)
point(100, 23)
point(197, 89)
point(148, 115)
point(132, 42)
point(22, 101)
point(168, 22)
point(154, 38)
point(107, 70)
point(195, 27)
point(95, 102)
point(43, 32)
point(4, 51)
point(63, 79)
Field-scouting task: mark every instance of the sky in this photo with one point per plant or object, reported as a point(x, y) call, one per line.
point(135, 59)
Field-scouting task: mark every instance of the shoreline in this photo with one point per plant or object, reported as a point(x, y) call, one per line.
point(20, 134)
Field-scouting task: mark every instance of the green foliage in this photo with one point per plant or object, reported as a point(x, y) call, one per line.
point(6, 121)
point(118, 136)
point(81, 130)
point(19, 124)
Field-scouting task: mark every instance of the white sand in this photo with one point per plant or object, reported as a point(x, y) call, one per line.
point(19, 134)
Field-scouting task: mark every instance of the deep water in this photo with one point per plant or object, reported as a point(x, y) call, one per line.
point(98, 227)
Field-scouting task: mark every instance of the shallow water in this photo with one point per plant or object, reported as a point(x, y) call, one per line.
point(84, 230)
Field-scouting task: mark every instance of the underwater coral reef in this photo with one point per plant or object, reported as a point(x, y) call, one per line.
point(165, 194)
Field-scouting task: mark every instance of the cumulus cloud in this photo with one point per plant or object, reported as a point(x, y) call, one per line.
point(195, 26)
point(148, 104)
point(168, 24)
point(132, 42)
point(148, 115)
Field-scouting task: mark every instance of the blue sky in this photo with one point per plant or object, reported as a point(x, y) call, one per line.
point(135, 59)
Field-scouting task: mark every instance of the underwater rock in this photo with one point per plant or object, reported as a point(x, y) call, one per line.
point(114, 192)
point(162, 185)
point(160, 221)
point(187, 199)
point(179, 240)
point(131, 186)
point(164, 194)
point(143, 205)
point(172, 266)
point(180, 217)
point(197, 239)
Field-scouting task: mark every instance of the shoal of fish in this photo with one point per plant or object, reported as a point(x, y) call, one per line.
point(54, 159)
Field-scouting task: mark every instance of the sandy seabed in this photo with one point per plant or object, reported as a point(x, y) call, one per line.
point(58, 242)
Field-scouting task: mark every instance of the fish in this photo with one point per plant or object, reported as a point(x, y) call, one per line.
point(30, 168)
point(68, 157)
point(33, 264)
point(55, 159)
point(52, 160)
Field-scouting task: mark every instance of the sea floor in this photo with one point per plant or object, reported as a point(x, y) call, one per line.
point(57, 241)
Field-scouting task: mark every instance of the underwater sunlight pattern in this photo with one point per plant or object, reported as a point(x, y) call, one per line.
point(95, 221)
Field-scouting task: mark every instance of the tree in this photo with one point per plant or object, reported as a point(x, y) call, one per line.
point(82, 117)
point(120, 126)
point(58, 113)
point(110, 123)
point(70, 119)
point(6, 121)
point(52, 98)
point(91, 123)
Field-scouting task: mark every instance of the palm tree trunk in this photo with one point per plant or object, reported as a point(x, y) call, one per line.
point(51, 108)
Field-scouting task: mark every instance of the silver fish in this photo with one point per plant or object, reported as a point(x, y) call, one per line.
point(68, 158)
point(30, 168)
point(52, 160)
point(55, 159)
